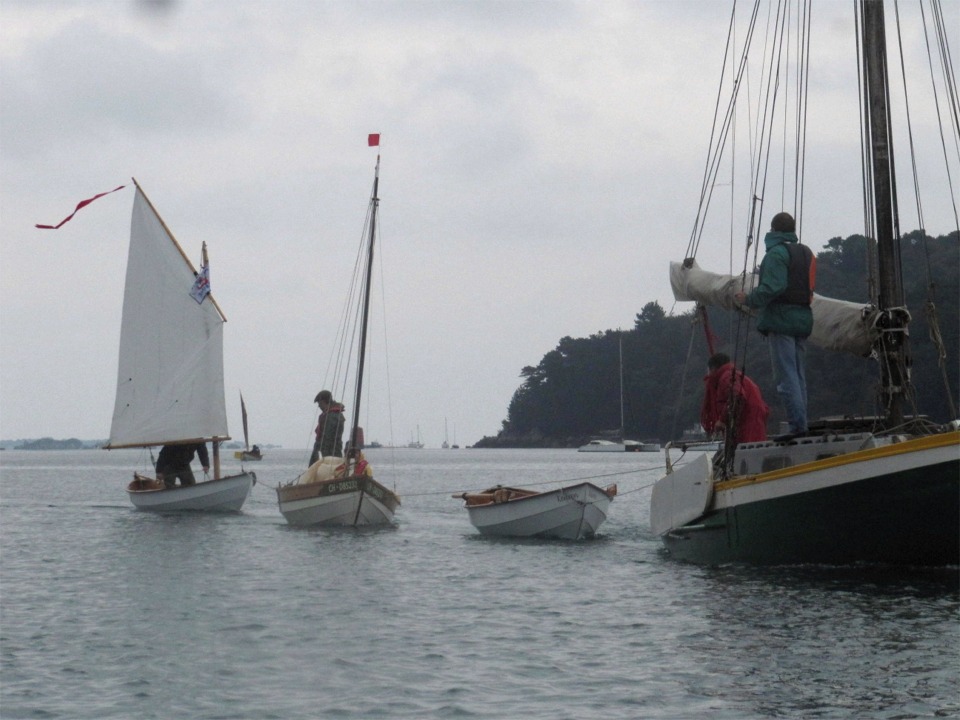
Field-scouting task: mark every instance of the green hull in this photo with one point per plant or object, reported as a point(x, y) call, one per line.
point(910, 517)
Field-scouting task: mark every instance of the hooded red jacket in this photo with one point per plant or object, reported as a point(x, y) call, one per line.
point(751, 420)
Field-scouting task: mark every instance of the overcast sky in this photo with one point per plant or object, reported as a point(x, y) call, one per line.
point(541, 165)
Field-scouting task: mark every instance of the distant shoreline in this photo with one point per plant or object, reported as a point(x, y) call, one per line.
point(49, 443)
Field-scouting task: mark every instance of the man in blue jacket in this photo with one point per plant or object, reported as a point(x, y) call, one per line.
point(783, 295)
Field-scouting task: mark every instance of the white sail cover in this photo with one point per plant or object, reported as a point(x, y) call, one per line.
point(837, 324)
point(170, 374)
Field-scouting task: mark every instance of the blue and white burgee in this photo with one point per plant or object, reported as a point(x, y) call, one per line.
point(201, 286)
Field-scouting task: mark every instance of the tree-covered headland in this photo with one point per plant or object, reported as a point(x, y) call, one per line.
point(574, 393)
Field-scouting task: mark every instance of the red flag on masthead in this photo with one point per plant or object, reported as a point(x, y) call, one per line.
point(81, 204)
point(373, 140)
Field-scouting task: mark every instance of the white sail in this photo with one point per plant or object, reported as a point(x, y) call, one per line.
point(170, 373)
point(837, 324)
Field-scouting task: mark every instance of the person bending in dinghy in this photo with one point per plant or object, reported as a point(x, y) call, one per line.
point(723, 385)
point(173, 463)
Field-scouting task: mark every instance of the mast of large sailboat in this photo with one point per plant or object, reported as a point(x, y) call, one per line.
point(374, 204)
point(623, 436)
point(892, 346)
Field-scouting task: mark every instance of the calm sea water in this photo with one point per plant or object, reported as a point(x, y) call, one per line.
point(106, 612)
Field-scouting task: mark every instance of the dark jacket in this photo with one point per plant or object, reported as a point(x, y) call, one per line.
point(776, 316)
point(173, 458)
point(330, 431)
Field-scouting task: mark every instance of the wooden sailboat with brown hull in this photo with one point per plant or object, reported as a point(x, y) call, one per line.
point(342, 492)
point(879, 490)
point(170, 370)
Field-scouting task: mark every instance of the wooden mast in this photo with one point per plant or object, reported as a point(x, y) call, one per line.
point(374, 203)
point(892, 345)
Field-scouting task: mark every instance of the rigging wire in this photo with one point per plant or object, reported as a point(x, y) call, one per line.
point(386, 346)
point(803, 86)
point(787, 45)
point(950, 86)
point(336, 376)
point(718, 135)
point(683, 376)
point(774, 83)
point(930, 307)
point(567, 481)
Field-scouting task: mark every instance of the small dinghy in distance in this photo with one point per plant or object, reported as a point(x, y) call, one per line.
point(573, 512)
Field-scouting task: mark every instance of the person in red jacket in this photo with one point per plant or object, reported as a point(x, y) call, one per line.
point(723, 384)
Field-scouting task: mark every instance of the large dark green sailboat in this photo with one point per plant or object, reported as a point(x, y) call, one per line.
point(880, 489)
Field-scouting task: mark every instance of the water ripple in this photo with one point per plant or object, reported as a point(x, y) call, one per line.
point(111, 613)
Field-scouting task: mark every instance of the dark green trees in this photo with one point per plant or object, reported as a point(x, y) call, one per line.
point(574, 393)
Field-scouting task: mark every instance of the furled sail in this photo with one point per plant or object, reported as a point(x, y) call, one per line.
point(170, 372)
point(837, 324)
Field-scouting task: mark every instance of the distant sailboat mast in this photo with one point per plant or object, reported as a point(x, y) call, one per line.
point(623, 435)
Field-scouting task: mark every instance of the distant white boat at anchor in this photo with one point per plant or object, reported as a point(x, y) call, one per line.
point(573, 512)
point(624, 446)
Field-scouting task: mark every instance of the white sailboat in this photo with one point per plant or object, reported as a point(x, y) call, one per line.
point(877, 489)
point(342, 492)
point(621, 445)
point(604, 446)
point(170, 370)
point(415, 443)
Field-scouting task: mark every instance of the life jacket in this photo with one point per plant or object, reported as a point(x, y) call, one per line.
point(801, 276)
point(359, 469)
